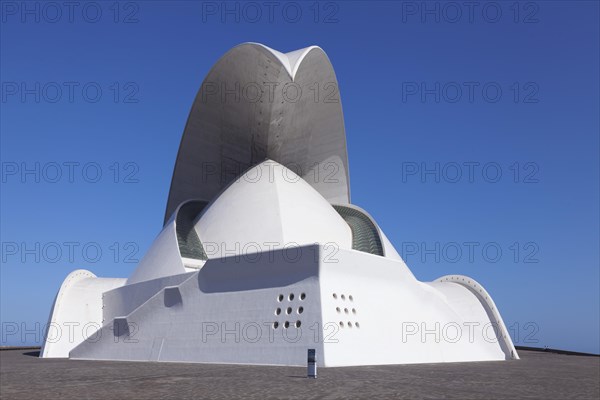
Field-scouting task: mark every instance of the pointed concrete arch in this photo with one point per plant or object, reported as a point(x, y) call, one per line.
point(255, 104)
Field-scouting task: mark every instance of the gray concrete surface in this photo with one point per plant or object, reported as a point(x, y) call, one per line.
point(226, 134)
point(537, 375)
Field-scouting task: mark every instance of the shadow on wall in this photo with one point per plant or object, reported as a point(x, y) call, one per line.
point(232, 274)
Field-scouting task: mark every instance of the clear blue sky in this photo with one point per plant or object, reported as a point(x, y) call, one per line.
point(398, 69)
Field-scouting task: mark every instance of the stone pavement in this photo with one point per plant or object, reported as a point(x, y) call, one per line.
point(537, 375)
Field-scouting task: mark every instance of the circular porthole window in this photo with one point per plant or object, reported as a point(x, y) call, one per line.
point(300, 310)
point(302, 296)
point(278, 311)
point(286, 325)
point(291, 297)
point(288, 311)
point(280, 298)
point(297, 324)
point(275, 325)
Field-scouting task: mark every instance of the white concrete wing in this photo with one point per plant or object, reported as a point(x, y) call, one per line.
point(76, 313)
point(255, 104)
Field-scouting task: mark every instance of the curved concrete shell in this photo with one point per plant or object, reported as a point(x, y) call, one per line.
point(255, 104)
point(263, 257)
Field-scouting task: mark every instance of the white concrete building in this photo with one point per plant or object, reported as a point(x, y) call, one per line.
point(262, 255)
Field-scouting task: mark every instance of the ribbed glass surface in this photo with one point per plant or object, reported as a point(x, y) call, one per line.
point(189, 242)
point(365, 236)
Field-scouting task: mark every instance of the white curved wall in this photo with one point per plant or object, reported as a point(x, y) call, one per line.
point(162, 258)
point(76, 313)
point(269, 207)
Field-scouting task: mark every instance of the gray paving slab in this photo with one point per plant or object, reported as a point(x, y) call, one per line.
point(537, 375)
